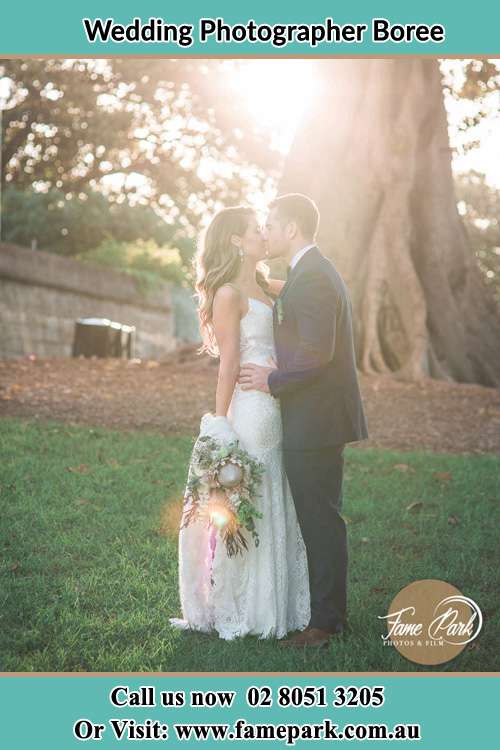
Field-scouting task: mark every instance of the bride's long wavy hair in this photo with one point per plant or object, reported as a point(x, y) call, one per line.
point(217, 262)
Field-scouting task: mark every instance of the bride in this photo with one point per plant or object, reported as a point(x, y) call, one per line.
point(265, 590)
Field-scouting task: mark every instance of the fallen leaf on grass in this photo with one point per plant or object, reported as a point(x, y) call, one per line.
point(453, 520)
point(81, 469)
point(14, 566)
point(90, 503)
point(404, 467)
point(417, 505)
point(443, 476)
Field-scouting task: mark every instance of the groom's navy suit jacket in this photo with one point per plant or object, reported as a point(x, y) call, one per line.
point(316, 380)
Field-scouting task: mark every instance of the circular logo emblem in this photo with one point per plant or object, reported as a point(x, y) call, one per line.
point(431, 622)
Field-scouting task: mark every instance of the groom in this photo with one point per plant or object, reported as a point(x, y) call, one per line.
point(317, 385)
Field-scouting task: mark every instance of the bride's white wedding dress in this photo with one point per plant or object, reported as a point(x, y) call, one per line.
point(264, 591)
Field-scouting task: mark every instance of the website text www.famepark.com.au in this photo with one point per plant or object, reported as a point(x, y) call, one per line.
point(291, 733)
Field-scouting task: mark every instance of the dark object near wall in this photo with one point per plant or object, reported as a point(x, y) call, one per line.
point(101, 337)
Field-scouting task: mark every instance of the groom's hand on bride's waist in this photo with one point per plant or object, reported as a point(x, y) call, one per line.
point(254, 377)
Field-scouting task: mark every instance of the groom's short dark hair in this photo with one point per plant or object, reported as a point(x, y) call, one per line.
point(299, 208)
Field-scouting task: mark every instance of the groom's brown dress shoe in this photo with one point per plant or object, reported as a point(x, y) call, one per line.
point(314, 637)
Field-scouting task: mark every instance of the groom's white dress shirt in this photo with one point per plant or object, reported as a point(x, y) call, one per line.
point(299, 255)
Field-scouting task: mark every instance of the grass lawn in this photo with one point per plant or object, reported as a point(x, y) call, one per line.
point(88, 562)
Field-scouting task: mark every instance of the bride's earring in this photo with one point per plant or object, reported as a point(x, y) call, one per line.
point(241, 253)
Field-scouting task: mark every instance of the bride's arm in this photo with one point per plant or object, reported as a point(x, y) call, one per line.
point(226, 323)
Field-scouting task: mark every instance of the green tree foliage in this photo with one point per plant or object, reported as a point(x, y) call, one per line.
point(166, 132)
point(481, 77)
point(74, 225)
point(146, 261)
point(471, 87)
point(479, 205)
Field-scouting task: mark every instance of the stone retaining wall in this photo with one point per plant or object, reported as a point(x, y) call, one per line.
point(42, 294)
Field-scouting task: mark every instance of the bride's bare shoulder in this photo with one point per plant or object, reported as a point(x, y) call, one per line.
point(227, 298)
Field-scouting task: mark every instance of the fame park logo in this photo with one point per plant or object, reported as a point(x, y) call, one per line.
point(431, 622)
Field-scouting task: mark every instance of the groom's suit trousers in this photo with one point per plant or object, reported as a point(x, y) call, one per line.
point(315, 478)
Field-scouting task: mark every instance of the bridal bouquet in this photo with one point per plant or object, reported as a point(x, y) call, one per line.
point(222, 482)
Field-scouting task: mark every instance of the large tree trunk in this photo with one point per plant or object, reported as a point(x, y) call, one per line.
point(373, 152)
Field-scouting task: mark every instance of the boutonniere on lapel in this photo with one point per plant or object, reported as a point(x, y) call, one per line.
point(279, 311)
